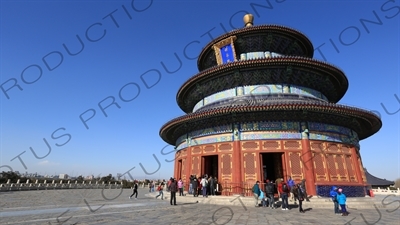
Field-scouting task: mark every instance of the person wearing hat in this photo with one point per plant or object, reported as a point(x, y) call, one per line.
point(333, 193)
point(341, 198)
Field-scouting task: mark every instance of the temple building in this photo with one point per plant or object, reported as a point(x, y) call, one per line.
point(376, 182)
point(261, 107)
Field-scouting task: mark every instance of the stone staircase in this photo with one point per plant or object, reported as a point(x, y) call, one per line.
point(315, 202)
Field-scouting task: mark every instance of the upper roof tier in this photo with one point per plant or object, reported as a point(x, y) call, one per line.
point(273, 38)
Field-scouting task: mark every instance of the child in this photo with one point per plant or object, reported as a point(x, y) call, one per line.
point(262, 197)
point(341, 198)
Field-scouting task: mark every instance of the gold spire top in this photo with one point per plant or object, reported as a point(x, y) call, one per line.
point(248, 20)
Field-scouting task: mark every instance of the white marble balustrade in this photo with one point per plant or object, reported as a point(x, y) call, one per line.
point(387, 191)
point(61, 184)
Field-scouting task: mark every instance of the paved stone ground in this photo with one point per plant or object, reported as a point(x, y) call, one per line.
point(93, 206)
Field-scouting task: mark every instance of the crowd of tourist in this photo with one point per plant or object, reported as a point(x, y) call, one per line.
point(207, 185)
point(296, 192)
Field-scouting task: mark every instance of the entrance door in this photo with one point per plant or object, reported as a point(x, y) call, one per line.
point(210, 166)
point(179, 175)
point(271, 166)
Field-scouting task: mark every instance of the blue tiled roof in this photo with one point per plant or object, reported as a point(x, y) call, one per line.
point(375, 181)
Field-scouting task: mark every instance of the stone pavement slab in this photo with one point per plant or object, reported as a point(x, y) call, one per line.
point(114, 207)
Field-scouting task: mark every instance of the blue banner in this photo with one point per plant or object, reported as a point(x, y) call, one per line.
point(227, 54)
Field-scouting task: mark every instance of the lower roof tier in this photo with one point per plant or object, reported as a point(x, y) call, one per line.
point(363, 122)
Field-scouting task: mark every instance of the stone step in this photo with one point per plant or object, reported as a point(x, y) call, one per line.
point(315, 202)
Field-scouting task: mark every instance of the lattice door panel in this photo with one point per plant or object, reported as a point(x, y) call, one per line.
point(350, 169)
point(333, 174)
point(196, 165)
point(321, 173)
point(183, 169)
point(226, 168)
point(250, 167)
point(295, 166)
point(341, 168)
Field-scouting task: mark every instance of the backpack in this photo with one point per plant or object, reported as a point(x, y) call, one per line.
point(253, 189)
point(285, 188)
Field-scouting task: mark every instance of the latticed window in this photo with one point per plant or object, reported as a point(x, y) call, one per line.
point(271, 145)
point(226, 164)
point(183, 165)
point(331, 165)
point(196, 150)
point(250, 145)
point(319, 165)
point(195, 165)
point(249, 161)
point(333, 147)
point(345, 149)
point(209, 148)
point(295, 163)
point(350, 168)
point(292, 144)
point(318, 146)
point(225, 147)
point(340, 164)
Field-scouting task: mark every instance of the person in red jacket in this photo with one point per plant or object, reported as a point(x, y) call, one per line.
point(284, 191)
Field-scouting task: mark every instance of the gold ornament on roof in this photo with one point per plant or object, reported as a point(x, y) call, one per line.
point(248, 20)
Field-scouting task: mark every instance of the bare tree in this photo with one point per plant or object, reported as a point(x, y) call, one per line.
point(397, 183)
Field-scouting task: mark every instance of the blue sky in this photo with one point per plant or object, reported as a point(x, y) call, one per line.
point(126, 43)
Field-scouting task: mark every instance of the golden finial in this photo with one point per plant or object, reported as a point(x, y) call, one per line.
point(248, 20)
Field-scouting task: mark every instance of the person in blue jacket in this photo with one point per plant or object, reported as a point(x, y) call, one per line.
point(333, 193)
point(341, 198)
point(256, 192)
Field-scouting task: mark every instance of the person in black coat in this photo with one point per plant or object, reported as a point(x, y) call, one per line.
point(300, 195)
point(173, 187)
point(303, 187)
point(269, 192)
point(211, 182)
point(195, 186)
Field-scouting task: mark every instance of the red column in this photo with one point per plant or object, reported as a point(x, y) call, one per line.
point(188, 166)
point(354, 157)
point(236, 165)
point(176, 167)
point(308, 166)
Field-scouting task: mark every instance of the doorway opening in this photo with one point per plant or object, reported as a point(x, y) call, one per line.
point(210, 165)
point(272, 168)
point(179, 175)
